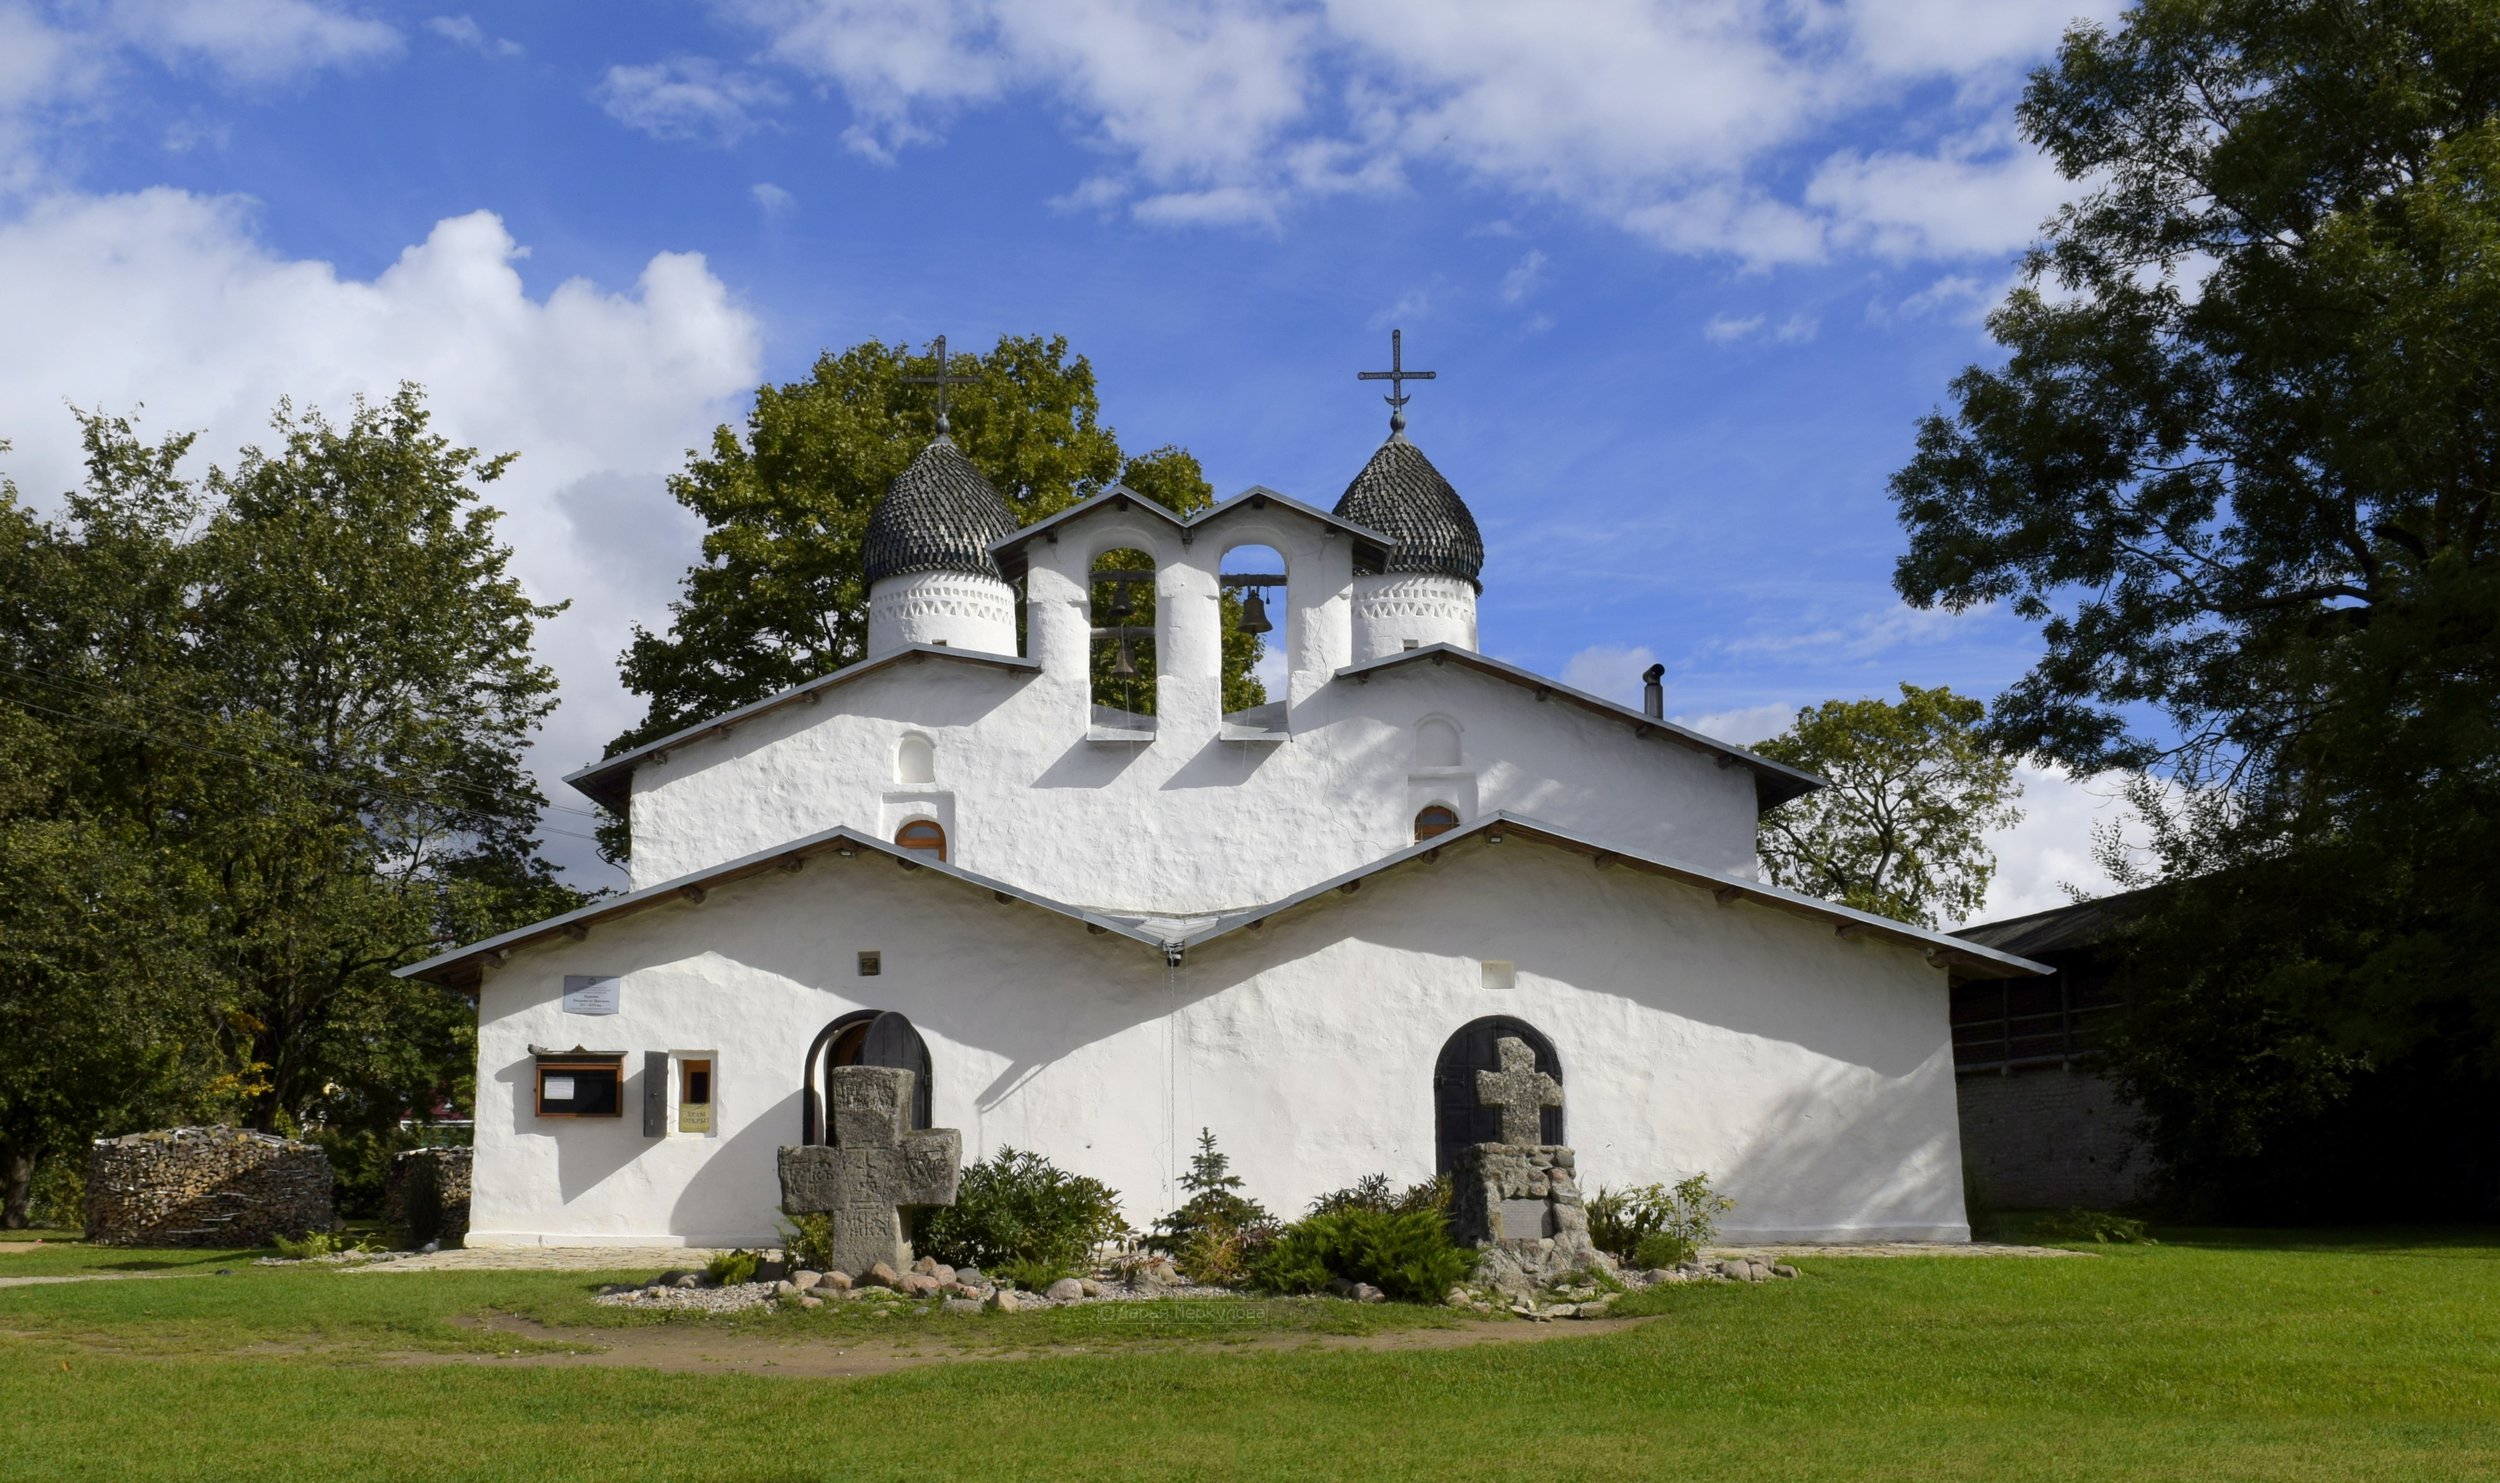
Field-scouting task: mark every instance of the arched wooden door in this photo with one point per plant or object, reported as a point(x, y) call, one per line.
point(867, 1037)
point(1458, 1119)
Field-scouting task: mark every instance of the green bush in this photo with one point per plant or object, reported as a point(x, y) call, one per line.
point(1016, 1212)
point(1688, 1215)
point(1215, 1202)
point(1658, 1249)
point(1374, 1192)
point(2092, 1225)
point(808, 1241)
point(729, 1268)
point(57, 1200)
point(1407, 1254)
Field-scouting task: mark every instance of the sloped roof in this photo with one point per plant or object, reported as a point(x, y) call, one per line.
point(2082, 924)
point(609, 781)
point(460, 966)
point(939, 515)
point(1774, 782)
point(1400, 494)
point(1256, 497)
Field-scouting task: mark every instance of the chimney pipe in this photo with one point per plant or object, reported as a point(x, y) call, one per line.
point(1654, 692)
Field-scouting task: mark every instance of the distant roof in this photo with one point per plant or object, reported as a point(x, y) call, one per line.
point(609, 780)
point(1774, 782)
point(2084, 924)
point(1401, 494)
point(1256, 497)
point(460, 967)
point(939, 515)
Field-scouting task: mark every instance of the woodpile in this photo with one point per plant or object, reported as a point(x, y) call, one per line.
point(205, 1187)
point(426, 1194)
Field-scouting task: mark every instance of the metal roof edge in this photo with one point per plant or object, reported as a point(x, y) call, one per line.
point(830, 840)
point(1194, 519)
point(1501, 822)
point(588, 781)
point(1792, 782)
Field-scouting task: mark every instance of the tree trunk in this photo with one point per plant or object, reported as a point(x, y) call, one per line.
point(17, 1182)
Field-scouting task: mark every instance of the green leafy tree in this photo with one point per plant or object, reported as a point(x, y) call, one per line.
point(779, 596)
point(1902, 830)
point(2239, 464)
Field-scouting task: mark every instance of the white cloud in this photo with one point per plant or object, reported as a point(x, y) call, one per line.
point(1679, 122)
point(2050, 848)
point(1745, 725)
point(251, 41)
point(688, 98)
point(1797, 329)
point(1727, 329)
point(1524, 278)
point(772, 198)
point(461, 30)
point(170, 300)
point(1609, 670)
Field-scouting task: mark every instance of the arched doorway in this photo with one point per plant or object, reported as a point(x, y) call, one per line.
point(1458, 1119)
point(867, 1037)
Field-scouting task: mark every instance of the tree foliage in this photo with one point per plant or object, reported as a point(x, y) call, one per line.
point(267, 728)
point(1902, 829)
point(2239, 465)
point(780, 597)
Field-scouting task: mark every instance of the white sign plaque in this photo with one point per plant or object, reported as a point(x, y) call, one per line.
point(590, 994)
point(559, 1089)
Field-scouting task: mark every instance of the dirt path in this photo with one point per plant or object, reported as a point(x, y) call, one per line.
point(98, 1277)
point(682, 1349)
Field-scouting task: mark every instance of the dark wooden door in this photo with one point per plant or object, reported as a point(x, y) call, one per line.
point(891, 1041)
point(1458, 1119)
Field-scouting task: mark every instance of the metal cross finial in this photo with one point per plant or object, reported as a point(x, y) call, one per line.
point(941, 381)
point(1397, 376)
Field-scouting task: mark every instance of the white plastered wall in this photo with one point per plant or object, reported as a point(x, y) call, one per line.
point(1810, 1076)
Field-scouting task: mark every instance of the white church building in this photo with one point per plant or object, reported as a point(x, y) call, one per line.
point(1095, 929)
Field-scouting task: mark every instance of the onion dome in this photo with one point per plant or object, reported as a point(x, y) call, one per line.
point(1401, 495)
point(939, 515)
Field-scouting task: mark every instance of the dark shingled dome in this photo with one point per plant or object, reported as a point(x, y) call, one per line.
point(1401, 495)
point(939, 516)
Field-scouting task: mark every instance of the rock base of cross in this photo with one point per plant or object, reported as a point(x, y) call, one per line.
point(1519, 1205)
point(876, 1168)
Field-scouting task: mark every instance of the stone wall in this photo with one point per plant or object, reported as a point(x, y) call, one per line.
point(1520, 1207)
point(426, 1194)
point(2049, 1138)
point(205, 1187)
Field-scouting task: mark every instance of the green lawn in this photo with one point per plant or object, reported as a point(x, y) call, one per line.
point(2227, 1355)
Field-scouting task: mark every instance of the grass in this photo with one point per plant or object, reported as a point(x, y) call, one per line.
point(2217, 1355)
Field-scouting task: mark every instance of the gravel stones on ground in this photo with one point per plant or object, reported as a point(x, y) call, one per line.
point(697, 1299)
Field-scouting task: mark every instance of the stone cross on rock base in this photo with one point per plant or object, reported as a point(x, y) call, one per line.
point(1519, 1091)
point(876, 1167)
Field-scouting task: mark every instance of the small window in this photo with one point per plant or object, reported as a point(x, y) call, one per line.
point(915, 760)
point(1436, 743)
point(581, 1088)
point(1437, 819)
point(922, 835)
point(694, 1096)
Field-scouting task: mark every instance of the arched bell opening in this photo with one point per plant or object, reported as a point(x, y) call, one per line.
point(1122, 588)
point(1255, 582)
point(866, 1037)
point(1459, 1118)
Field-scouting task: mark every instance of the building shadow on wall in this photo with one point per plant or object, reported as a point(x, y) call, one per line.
point(1889, 1165)
point(582, 1163)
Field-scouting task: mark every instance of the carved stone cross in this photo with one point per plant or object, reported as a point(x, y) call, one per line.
point(876, 1167)
point(1520, 1091)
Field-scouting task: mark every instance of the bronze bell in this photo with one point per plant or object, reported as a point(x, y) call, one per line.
point(1121, 664)
point(1254, 614)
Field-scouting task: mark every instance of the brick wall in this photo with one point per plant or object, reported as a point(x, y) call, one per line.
point(2047, 1137)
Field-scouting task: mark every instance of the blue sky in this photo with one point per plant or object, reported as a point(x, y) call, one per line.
point(1689, 273)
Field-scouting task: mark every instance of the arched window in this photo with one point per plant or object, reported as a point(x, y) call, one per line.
point(924, 836)
point(1436, 743)
point(1122, 588)
point(915, 760)
point(1458, 1118)
point(1437, 818)
point(866, 1037)
point(1254, 616)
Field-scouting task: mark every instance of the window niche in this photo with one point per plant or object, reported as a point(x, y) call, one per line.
point(1254, 583)
point(1121, 602)
point(1440, 787)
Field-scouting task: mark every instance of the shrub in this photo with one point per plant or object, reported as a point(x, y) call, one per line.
point(58, 1198)
point(1017, 1213)
point(2093, 1225)
point(1374, 1192)
point(808, 1241)
point(1688, 1215)
point(313, 1244)
point(1658, 1249)
point(729, 1268)
point(1407, 1254)
point(1215, 1202)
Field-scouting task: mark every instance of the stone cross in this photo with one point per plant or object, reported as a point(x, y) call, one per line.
point(1521, 1092)
point(876, 1167)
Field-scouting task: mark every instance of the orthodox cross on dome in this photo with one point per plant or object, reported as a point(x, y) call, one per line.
point(1519, 1091)
point(941, 381)
point(1397, 376)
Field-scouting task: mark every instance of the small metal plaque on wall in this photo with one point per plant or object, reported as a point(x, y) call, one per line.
point(586, 993)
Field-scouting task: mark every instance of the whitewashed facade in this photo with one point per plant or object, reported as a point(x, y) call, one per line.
point(1222, 922)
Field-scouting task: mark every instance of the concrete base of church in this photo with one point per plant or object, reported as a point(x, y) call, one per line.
point(1808, 1074)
